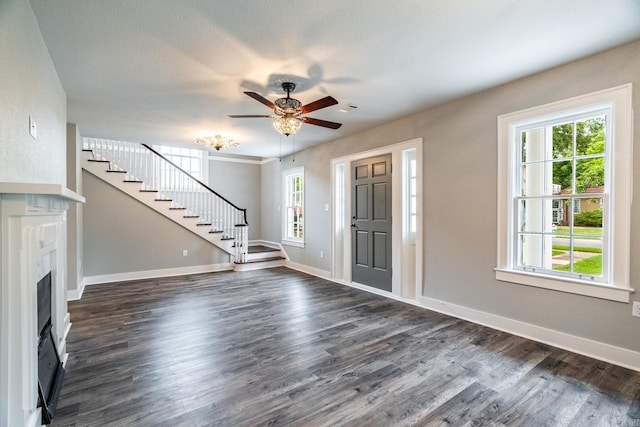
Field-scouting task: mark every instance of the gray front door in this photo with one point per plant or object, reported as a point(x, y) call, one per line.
point(371, 222)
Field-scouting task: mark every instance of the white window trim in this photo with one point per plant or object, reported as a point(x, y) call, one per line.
point(617, 286)
point(299, 243)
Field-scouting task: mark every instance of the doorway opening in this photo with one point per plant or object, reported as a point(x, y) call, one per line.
point(406, 220)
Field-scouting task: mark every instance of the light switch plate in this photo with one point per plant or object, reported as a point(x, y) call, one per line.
point(33, 129)
point(635, 310)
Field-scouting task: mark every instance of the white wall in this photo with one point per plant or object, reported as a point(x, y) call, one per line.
point(29, 86)
point(459, 193)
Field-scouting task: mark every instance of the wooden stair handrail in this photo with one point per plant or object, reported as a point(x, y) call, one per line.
point(244, 211)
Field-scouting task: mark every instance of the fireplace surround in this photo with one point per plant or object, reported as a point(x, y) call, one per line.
point(33, 245)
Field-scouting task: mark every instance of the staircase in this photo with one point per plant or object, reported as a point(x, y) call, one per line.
point(144, 174)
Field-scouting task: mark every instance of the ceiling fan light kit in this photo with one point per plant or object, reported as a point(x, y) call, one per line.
point(216, 142)
point(287, 125)
point(288, 112)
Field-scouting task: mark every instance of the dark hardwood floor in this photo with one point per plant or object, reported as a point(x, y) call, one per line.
point(278, 347)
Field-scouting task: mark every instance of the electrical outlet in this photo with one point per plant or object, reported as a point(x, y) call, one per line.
point(635, 311)
point(185, 252)
point(321, 254)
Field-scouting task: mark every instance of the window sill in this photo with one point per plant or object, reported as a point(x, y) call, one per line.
point(297, 244)
point(579, 287)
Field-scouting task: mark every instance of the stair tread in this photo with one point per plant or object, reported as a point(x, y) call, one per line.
point(99, 161)
point(253, 261)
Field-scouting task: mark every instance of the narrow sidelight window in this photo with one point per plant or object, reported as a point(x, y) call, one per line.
point(293, 209)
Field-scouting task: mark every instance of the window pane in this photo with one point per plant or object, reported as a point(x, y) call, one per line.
point(562, 140)
point(587, 214)
point(562, 177)
point(560, 215)
point(531, 215)
point(533, 179)
point(530, 251)
point(590, 175)
point(587, 257)
point(533, 146)
point(590, 138)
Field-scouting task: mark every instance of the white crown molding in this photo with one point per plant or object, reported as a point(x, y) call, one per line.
point(237, 160)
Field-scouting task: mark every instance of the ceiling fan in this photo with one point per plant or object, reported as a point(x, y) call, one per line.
point(288, 112)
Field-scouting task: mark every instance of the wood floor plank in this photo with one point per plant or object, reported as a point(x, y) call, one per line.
point(278, 347)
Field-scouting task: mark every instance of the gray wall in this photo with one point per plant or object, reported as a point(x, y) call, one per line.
point(460, 172)
point(29, 86)
point(271, 184)
point(122, 235)
point(240, 184)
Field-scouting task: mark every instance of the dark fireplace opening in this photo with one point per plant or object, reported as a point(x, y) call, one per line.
point(50, 370)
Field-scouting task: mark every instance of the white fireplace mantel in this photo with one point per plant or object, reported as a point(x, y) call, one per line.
point(33, 243)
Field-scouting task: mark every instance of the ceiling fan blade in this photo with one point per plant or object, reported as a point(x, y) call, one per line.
point(262, 99)
point(234, 116)
point(323, 123)
point(320, 103)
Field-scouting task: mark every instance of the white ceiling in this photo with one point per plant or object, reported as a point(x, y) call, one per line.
point(167, 71)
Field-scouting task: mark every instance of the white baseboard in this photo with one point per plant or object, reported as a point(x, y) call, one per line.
point(595, 349)
point(150, 274)
point(587, 347)
point(309, 270)
point(76, 294)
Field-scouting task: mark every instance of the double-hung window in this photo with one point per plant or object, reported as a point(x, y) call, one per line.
point(293, 207)
point(564, 195)
point(191, 160)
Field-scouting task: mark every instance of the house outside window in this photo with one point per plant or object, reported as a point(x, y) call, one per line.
point(564, 195)
point(293, 226)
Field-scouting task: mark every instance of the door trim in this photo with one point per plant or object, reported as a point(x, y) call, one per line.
point(341, 215)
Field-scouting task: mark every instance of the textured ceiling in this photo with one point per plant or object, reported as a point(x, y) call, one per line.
point(167, 71)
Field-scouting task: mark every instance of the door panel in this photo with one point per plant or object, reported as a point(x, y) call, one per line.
point(371, 221)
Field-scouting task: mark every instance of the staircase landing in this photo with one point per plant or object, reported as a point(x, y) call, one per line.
point(261, 256)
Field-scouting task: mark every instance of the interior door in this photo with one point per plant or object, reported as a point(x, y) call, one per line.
point(371, 222)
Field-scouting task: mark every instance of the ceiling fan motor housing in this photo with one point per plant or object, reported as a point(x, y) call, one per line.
point(288, 105)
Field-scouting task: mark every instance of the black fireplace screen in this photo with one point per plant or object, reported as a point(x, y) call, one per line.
point(50, 370)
